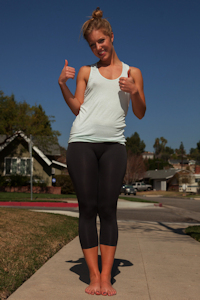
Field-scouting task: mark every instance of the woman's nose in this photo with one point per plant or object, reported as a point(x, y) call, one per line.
point(98, 46)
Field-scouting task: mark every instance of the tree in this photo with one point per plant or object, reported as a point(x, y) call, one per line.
point(134, 144)
point(180, 152)
point(195, 152)
point(135, 168)
point(156, 163)
point(21, 116)
point(159, 146)
point(198, 146)
point(162, 151)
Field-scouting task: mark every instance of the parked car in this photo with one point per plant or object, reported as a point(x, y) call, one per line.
point(128, 189)
point(141, 186)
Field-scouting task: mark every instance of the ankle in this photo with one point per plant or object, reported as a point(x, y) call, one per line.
point(105, 277)
point(95, 275)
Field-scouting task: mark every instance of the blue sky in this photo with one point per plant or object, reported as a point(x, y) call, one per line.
point(159, 37)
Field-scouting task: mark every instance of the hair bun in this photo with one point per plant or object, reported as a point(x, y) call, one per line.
point(97, 13)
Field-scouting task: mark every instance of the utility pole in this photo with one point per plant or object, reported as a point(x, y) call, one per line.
point(31, 173)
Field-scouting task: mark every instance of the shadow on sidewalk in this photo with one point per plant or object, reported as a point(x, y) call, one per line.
point(81, 268)
point(177, 231)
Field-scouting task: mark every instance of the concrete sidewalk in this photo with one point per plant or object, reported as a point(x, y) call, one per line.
point(154, 261)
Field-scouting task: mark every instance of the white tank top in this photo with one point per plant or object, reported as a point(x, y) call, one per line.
point(102, 115)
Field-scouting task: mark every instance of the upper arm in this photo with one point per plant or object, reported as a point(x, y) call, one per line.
point(136, 74)
point(81, 83)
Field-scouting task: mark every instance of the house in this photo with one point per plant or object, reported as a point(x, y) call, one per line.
point(15, 157)
point(162, 179)
point(189, 181)
point(183, 164)
point(148, 155)
point(173, 179)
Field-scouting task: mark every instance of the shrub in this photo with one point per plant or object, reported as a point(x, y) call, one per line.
point(2, 180)
point(17, 180)
point(65, 182)
point(20, 180)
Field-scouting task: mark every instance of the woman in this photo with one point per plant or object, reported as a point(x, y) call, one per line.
point(96, 155)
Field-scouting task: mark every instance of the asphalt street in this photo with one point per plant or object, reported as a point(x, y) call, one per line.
point(172, 210)
point(176, 210)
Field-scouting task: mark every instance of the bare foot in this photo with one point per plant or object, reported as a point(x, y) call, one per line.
point(106, 288)
point(94, 287)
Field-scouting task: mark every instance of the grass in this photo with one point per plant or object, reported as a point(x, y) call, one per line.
point(134, 199)
point(194, 232)
point(20, 197)
point(27, 240)
point(170, 194)
point(7, 196)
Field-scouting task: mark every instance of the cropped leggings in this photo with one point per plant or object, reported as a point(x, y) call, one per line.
point(97, 171)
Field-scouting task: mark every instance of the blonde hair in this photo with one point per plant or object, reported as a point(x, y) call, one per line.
point(96, 22)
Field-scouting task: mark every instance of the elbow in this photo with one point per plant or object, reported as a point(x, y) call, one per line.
point(76, 112)
point(140, 114)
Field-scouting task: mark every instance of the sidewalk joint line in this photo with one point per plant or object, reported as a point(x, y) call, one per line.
point(144, 267)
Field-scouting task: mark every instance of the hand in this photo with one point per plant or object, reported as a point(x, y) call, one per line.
point(67, 72)
point(127, 84)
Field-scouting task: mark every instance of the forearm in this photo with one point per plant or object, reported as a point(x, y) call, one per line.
point(138, 105)
point(71, 101)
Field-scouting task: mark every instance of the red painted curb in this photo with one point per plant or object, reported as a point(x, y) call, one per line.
point(158, 204)
point(39, 204)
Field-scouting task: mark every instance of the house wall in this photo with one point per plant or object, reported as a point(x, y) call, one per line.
point(160, 185)
point(13, 150)
point(58, 171)
point(41, 169)
point(19, 148)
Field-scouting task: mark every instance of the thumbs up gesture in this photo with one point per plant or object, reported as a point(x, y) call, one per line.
point(67, 72)
point(127, 84)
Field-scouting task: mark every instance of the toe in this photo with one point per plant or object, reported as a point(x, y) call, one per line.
point(104, 293)
point(98, 293)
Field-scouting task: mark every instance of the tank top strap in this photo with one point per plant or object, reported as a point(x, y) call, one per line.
point(125, 69)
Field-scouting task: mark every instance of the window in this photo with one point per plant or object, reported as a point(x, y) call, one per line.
point(19, 166)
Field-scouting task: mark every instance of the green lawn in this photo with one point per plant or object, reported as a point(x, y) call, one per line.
point(6, 196)
point(28, 240)
point(194, 232)
point(134, 199)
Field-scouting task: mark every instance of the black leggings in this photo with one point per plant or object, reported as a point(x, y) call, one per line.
point(97, 171)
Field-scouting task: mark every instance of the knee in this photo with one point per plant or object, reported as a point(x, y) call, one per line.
point(88, 211)
point(107, 212)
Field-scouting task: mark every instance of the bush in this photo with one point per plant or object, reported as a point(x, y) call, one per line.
point(2, 180)
point(16, 180)
point(65, 182)
point(20, 180)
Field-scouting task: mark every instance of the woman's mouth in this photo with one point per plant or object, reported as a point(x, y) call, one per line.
point(101, 53)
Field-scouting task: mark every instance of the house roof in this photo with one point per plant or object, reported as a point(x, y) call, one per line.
point(45, 144)
point(2, 138)
point(178, 161)
point(35, 148)
point(161, 174)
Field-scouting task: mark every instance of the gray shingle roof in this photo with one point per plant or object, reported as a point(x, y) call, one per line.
point(45, 144)
point(160, 174)
point(2, 138)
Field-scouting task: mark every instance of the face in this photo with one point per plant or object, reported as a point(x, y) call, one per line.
point(100, 44)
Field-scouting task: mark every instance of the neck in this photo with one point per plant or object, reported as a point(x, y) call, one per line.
point(113, 60)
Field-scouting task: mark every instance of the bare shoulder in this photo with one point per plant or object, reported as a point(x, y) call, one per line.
point(135, 72)
point(84, 73)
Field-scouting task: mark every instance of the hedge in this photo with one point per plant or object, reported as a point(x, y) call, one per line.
point(65, 182)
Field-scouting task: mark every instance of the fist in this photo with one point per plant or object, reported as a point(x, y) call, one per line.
point(67, 73)
point(127, 84)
